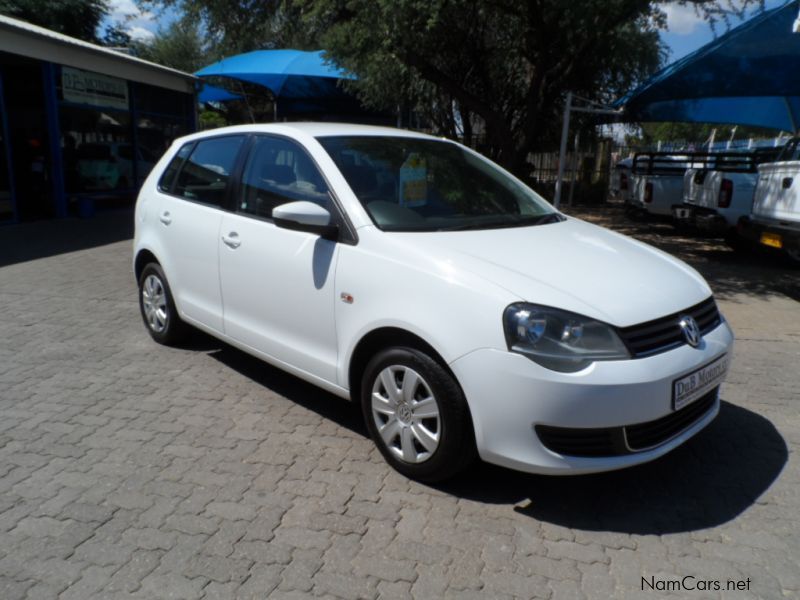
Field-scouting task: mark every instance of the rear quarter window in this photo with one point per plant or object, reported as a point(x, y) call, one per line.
point(168, 178)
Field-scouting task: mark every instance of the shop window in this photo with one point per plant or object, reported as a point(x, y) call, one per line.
point(97, 149)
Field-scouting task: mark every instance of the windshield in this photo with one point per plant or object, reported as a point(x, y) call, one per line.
point(412, 184)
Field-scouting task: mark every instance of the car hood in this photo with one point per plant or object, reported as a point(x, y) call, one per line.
point(572, 265)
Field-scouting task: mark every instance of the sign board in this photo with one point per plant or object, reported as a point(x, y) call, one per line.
point(413, 181)
point(85, 87)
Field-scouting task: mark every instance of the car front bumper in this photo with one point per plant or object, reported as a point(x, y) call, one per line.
point(509, 395)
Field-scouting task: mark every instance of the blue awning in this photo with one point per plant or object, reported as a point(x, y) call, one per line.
point(749, 76)
point(290, 74)
point(211, 93)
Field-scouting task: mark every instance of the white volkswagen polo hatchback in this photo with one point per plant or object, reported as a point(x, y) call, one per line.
point(414, 276)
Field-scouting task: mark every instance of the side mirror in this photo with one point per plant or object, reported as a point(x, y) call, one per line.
point(305, 216)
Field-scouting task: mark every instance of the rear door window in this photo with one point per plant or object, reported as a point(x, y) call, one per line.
point(205, 175)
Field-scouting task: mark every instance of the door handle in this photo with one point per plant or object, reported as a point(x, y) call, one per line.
point(787, 182)
point(165, 218)
point(231, 240)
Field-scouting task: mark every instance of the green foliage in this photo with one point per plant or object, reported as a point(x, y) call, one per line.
point(116, 36)
point(507, 63)
point(76, 18)
point(237, 26)
point(210, 119)
point(180, 46)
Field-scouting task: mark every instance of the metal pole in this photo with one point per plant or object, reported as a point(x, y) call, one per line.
point(562, 153)
point(574, 167)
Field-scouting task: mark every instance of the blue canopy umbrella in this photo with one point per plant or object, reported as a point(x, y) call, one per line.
point(302, 81)
point(749, 76)
point(210, 93)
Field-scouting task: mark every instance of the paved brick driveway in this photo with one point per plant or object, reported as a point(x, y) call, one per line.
point(129, 470)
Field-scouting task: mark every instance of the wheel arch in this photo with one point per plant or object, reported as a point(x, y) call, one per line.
point(379, 339)
point(143, 258)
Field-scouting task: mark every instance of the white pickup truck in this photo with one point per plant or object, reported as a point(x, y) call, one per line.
point(718, 191)
point(775, 219)
point(657, 183)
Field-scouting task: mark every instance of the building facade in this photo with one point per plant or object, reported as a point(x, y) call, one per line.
point(80, 125)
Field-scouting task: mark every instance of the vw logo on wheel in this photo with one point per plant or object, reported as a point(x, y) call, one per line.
point(690, 330)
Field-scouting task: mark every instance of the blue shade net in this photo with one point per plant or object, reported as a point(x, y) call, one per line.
point(749, 76)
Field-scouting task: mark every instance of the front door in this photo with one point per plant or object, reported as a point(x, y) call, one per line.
point(277, 284)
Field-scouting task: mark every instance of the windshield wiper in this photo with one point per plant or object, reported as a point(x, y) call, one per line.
point(516, 222)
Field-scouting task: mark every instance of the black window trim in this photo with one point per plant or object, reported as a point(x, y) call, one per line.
point(233, 178)
point(347, 232)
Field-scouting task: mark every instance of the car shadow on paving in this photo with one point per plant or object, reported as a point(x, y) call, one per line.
point(706, 482)
point(343, 413)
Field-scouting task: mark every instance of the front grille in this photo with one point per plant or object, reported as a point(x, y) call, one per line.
point(582, 442)
point(618, 441)
point(665, 333)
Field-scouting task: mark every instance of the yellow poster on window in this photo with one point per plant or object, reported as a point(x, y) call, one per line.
point(413, 181)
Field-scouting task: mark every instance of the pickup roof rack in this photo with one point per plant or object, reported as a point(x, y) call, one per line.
point(671, 163)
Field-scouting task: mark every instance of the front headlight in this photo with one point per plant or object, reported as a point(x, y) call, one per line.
point(560, 340)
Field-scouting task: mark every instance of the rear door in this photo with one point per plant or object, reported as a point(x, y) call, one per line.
point(278, 284)
point(190, 213)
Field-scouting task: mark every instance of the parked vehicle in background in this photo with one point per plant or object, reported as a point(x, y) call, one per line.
point(657, 183)
point(620, 183)
point(718, 190)
point(775, 219)
point(408, 273)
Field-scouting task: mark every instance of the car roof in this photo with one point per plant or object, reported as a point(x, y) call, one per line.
point(314, 129)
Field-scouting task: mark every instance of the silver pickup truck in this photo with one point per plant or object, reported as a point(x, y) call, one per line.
point(775, 219)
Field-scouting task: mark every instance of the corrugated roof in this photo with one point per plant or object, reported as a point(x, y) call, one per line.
point(56, 38)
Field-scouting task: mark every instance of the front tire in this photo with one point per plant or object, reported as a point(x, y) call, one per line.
point(417, 415)
point(158, 308)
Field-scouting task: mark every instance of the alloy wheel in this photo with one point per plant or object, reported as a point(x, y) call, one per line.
point(406, 414)
point(154, 302)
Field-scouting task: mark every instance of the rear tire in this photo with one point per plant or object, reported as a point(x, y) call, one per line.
point(158, 308)
point(417, 415)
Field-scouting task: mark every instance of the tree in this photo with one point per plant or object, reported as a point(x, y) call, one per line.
point(505, 62)
point(76, 18)
point(237, 26)
point(181, 46)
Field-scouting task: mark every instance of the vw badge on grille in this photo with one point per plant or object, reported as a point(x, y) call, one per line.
point(690, 330)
